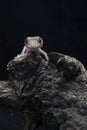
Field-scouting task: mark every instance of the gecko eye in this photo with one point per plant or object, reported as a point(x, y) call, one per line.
point(40, 40)
point(26, 41)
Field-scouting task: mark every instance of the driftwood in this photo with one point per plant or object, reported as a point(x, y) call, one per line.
point(52, 95)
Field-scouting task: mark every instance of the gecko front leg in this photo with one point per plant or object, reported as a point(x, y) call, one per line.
point(44, 54)
point(23, 53)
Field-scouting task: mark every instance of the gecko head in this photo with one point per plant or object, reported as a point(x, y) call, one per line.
point(33, 43)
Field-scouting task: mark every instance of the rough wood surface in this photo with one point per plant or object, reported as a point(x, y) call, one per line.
point(53, 96)
point(7, 95)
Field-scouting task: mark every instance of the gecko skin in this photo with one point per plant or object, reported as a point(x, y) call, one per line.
point(33, 44)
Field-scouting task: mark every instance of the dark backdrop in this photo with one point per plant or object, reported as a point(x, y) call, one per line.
point(62, 24)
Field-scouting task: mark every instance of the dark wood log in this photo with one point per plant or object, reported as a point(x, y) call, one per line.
point(52, 95)
point(7, 95)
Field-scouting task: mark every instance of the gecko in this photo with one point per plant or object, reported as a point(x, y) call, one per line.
point(33, 44)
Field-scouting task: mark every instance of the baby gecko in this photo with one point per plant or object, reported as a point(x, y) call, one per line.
point(33, 44)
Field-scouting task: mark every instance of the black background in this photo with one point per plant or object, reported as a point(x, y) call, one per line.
point(62, 24)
